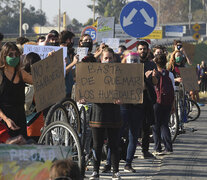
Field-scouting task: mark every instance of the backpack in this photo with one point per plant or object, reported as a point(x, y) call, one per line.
point(164, 89)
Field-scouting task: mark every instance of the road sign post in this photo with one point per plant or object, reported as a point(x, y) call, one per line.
point(196, 28)
point(138, 19)
point(25, 27)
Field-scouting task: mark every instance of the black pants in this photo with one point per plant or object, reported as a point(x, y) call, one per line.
point(145, 135)
point(113, 142)
point(161, 129)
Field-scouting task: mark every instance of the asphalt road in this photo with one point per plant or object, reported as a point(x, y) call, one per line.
point(188, 161)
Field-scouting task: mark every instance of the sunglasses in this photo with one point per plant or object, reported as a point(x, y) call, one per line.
point(13, 54)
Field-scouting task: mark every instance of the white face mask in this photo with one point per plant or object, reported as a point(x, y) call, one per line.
point(42, 43)
point(132, 59)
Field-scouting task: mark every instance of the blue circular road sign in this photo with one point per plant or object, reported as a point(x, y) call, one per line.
point(91, 31)
point(138, 19)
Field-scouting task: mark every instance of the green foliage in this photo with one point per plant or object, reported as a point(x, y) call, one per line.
point(110, 8)
point(200, 53)
point(89, 22)
point(9, 16)
point(75, 26)
point(177, 10)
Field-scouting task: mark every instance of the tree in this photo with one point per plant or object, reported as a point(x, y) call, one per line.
point(75, 26)
point(177, 10)
point(9, 16)
point(109, 8)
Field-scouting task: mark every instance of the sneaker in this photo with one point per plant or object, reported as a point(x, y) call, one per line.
point(116, 176)
point(157, 153)
point(128, 168)
point(148, 155)
point(94, 176)
point(106, 169)
point(167, 152)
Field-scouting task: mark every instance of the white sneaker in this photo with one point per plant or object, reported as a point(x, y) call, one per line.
point(116, 176)
point(94, 176)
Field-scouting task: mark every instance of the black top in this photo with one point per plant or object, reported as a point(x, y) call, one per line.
point(12, 97)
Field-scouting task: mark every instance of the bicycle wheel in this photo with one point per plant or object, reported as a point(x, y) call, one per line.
point(61, 133)
point(193, 110)
point(56, 113)
point(73, 113)
point(174, 125)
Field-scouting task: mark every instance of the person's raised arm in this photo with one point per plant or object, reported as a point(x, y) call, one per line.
point(27, 78)
point(75, 60)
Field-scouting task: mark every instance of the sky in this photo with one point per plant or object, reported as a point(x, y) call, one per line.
point(74, 8)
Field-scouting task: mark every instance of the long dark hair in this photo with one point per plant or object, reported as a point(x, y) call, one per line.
point(5, 51)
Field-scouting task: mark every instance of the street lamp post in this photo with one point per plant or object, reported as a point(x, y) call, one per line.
point(20, 18)
point(94, 10)
point(189, 16)
point(59, 16)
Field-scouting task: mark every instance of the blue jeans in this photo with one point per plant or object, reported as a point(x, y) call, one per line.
point(132, 116)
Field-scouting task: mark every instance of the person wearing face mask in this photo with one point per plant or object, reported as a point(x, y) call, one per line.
point(66, 40)
point(175, 62)
point(178, 45)
point(105, 117)
point(12, 91)
point(86, 41)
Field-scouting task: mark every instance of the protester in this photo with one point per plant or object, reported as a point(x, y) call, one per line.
point(106, 117)
point(35, 121)
point(12, 95)
point(120, 52)
point(176, 61)
point(158, 50)
point(52, 39)
point(203, 77)
point(129, 114)
point(40, 40)
point(132, 118)
point(66, 40)
point(147, 113)
point(178, 45)
point(65, 170)
point(86, 41)
point(162, 108)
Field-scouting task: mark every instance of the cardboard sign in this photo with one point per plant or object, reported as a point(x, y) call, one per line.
point(104, 83)
point(189, 78)
point(112, 43)
point(105, 28)
point(43, 50)
point(48, 81)
point(82, 52)
point(189, 50)
point(32, 162)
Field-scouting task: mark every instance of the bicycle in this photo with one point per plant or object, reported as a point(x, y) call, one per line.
point(60, 133)
point(187, 109)
point(73, 113)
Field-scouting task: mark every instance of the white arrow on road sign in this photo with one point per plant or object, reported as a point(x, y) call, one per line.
point(127, 20)
point(149, 21)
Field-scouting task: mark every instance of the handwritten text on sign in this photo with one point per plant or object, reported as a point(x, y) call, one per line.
point(48, 80)
point(189, 78)
point(43, 50)
point(104, 83)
